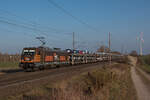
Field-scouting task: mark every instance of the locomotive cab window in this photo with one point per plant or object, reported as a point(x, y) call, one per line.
point(28, 52)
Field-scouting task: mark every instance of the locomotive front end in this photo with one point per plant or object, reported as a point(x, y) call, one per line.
point(27, 58)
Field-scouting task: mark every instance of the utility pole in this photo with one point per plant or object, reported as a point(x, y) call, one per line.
point(73, 47)
point(73, 42)
point(109, 42)
point(109, 48)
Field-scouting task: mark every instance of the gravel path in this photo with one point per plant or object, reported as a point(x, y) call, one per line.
point(142, 91)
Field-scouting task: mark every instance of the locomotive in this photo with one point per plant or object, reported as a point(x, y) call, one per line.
point(43, 57)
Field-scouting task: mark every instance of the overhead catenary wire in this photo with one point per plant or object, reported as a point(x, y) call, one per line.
point(39, 29)
point(32, 23)
point(12, 31)
point(23, 25)
point(28, 35)
point(27, 24)
point(19, 25)
point(71, 15)
point(52, 40)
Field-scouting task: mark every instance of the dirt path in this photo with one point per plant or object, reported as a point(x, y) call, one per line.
point(141, 88)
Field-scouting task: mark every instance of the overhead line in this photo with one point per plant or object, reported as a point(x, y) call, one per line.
point(23, 25)
point(19, 25)
point(31, 23)
point(71, 15)
point(31, 35)
point(15, 31)
point(27, 27)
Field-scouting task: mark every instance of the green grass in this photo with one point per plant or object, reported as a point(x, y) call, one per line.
point(9, 64)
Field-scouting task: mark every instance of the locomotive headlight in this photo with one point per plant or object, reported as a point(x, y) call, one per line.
point(27, 59)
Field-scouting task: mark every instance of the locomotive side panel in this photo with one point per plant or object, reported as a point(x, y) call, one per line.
point(49, 58)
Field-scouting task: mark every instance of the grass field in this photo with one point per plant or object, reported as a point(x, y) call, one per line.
point(144, 63)
point(9, 65)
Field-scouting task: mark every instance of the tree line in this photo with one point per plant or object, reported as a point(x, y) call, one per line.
point(9, 57)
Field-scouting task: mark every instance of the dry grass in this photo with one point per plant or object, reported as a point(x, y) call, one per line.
point(144, 63)
point(6, 65)
point(9, 60)
point(113, 83)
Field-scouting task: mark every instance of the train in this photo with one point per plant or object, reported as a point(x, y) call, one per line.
point(43, 57)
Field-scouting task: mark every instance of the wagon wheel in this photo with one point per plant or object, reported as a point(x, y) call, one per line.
point(41, 67)
point(32, 69)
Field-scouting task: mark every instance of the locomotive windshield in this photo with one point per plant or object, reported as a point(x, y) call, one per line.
point(28, 52)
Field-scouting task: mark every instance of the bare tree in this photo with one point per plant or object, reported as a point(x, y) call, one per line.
point(134, 53)
point(103, 49)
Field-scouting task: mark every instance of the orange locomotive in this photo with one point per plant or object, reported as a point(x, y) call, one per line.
point(41, 57)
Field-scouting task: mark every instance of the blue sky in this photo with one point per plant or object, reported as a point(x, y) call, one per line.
point(125, 19)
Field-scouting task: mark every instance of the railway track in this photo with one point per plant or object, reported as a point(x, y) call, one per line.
point(14, 83)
